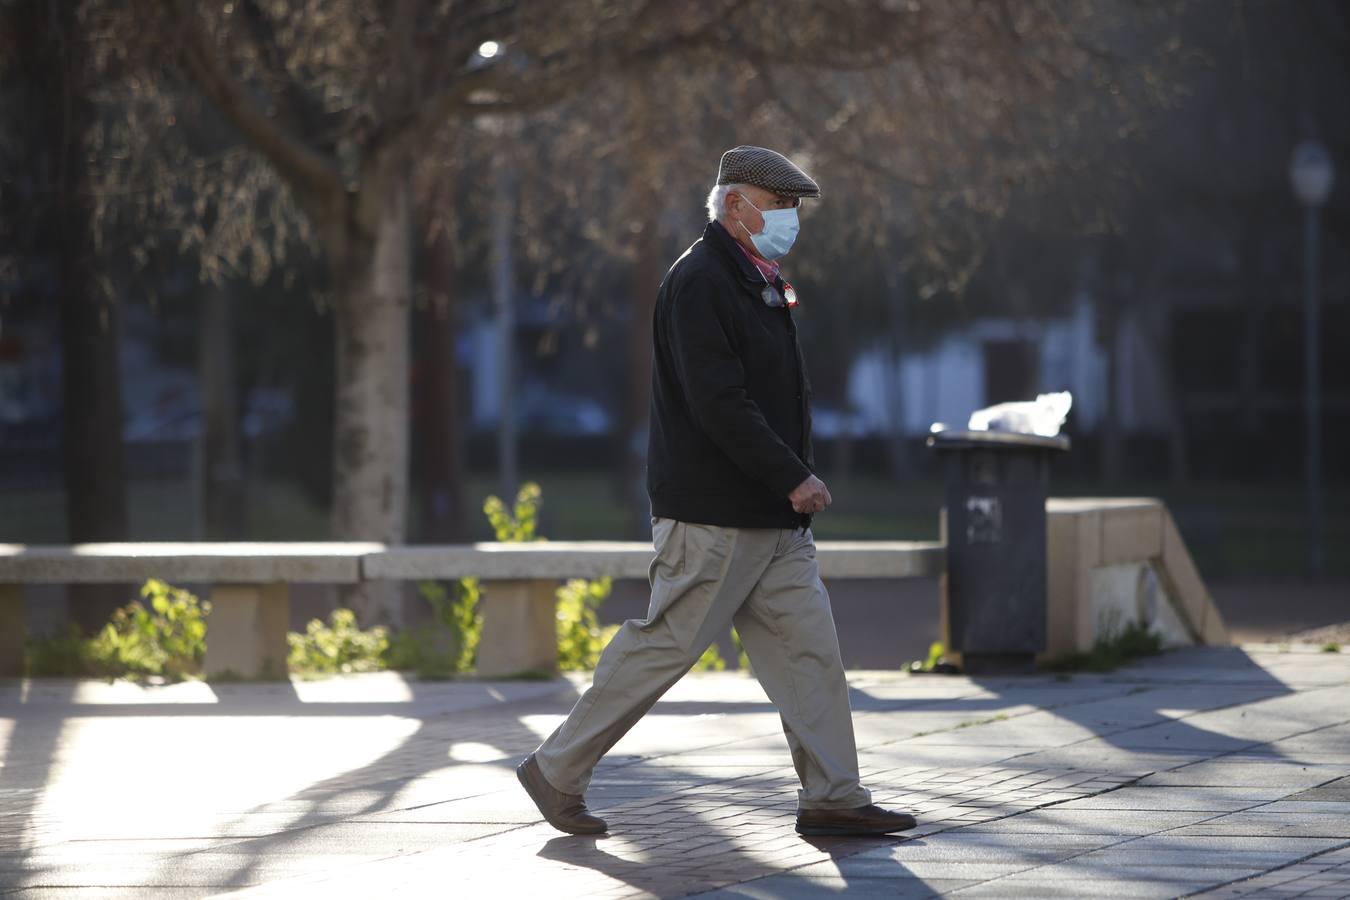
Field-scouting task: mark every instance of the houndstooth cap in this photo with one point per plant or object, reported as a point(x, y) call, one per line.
point(765, 169)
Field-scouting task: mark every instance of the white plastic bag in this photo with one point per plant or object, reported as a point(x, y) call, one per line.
point(1041, 416)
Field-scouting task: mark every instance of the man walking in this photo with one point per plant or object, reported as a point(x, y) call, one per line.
point(732, 492)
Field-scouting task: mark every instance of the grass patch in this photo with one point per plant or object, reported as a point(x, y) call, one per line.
point(1134, 641)
point(1001, 717)
point(1331, 647)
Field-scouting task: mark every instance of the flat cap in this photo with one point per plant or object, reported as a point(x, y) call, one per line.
point(766, 169)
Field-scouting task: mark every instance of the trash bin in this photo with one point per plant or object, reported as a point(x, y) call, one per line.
point(996, 486)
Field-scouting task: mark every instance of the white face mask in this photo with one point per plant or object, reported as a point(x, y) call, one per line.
point(779, 232)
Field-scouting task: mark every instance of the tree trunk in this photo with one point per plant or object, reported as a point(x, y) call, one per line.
point(54, 62)
point(96, 496)
point(96, 493)
point(373, 280)
point(646, 275)
point(643, 170)
point(222, 468)
point(437, 432)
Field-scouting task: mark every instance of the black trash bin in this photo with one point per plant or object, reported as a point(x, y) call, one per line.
point(996, 486)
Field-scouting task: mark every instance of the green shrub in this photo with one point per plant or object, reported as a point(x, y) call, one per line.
point(742, 658)
point(519, 524)
point(711, 660)
point(448, 645)
point(580, 637)
point(935, 653)
point(168, 639)
point(338, 647)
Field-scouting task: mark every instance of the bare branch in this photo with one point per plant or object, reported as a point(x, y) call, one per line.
point(515, 87)
point(300, 106)
point(869, 161)
point(309, 171)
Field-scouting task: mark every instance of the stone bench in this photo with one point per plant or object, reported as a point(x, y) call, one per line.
point(250, 603)
point(519, 612)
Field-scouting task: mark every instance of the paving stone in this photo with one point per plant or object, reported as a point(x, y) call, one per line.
point(1142, 854)
point(1090, 868)
point(1200, 799)
point(794, 887)
point(1222, 773)
point(1054, 888)
point(1271, 824)
point(1062, 819)
point(1337, 791)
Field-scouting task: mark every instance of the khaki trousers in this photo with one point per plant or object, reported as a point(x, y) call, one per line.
point(705, 578)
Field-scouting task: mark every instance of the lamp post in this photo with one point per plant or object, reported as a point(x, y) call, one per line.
point(503, 270)
point(1311, 173)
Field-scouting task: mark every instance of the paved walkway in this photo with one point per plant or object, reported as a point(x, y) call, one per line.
point(1218, 773)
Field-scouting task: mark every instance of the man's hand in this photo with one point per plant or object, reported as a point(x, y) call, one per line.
point(811, 496)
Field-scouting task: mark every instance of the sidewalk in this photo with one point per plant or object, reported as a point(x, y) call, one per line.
point(1213, 772)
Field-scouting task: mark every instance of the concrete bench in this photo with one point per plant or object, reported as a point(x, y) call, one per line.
point(249, 596)
point(519, 610)
point(250, 602)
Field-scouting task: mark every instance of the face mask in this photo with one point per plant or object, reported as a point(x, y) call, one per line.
point(780, 230)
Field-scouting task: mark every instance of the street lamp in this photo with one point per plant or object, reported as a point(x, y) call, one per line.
point(502, 127)
point(1312, 173)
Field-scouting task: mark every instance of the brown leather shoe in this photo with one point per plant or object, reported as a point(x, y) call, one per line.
point(565, 812)
point(862, 820)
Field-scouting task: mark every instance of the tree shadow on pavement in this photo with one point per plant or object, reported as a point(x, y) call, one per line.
point(726, 864)
point(27, 767)
point(715, 827)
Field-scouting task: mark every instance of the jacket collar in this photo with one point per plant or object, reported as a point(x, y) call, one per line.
point(725, 245)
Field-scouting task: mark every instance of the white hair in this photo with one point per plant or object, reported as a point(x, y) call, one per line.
point(717, 199)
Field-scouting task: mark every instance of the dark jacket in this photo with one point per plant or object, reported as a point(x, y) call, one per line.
point(730, 421)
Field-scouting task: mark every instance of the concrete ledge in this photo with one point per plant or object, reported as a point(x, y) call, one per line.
point(1117, 560)
point(554, 560)
point(881, 559)
point(557, 560)
point(239, 563)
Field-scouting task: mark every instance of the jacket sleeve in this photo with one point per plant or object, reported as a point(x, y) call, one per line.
point(713, 377)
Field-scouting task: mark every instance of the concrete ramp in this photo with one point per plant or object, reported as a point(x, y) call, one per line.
point(1113, 562)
